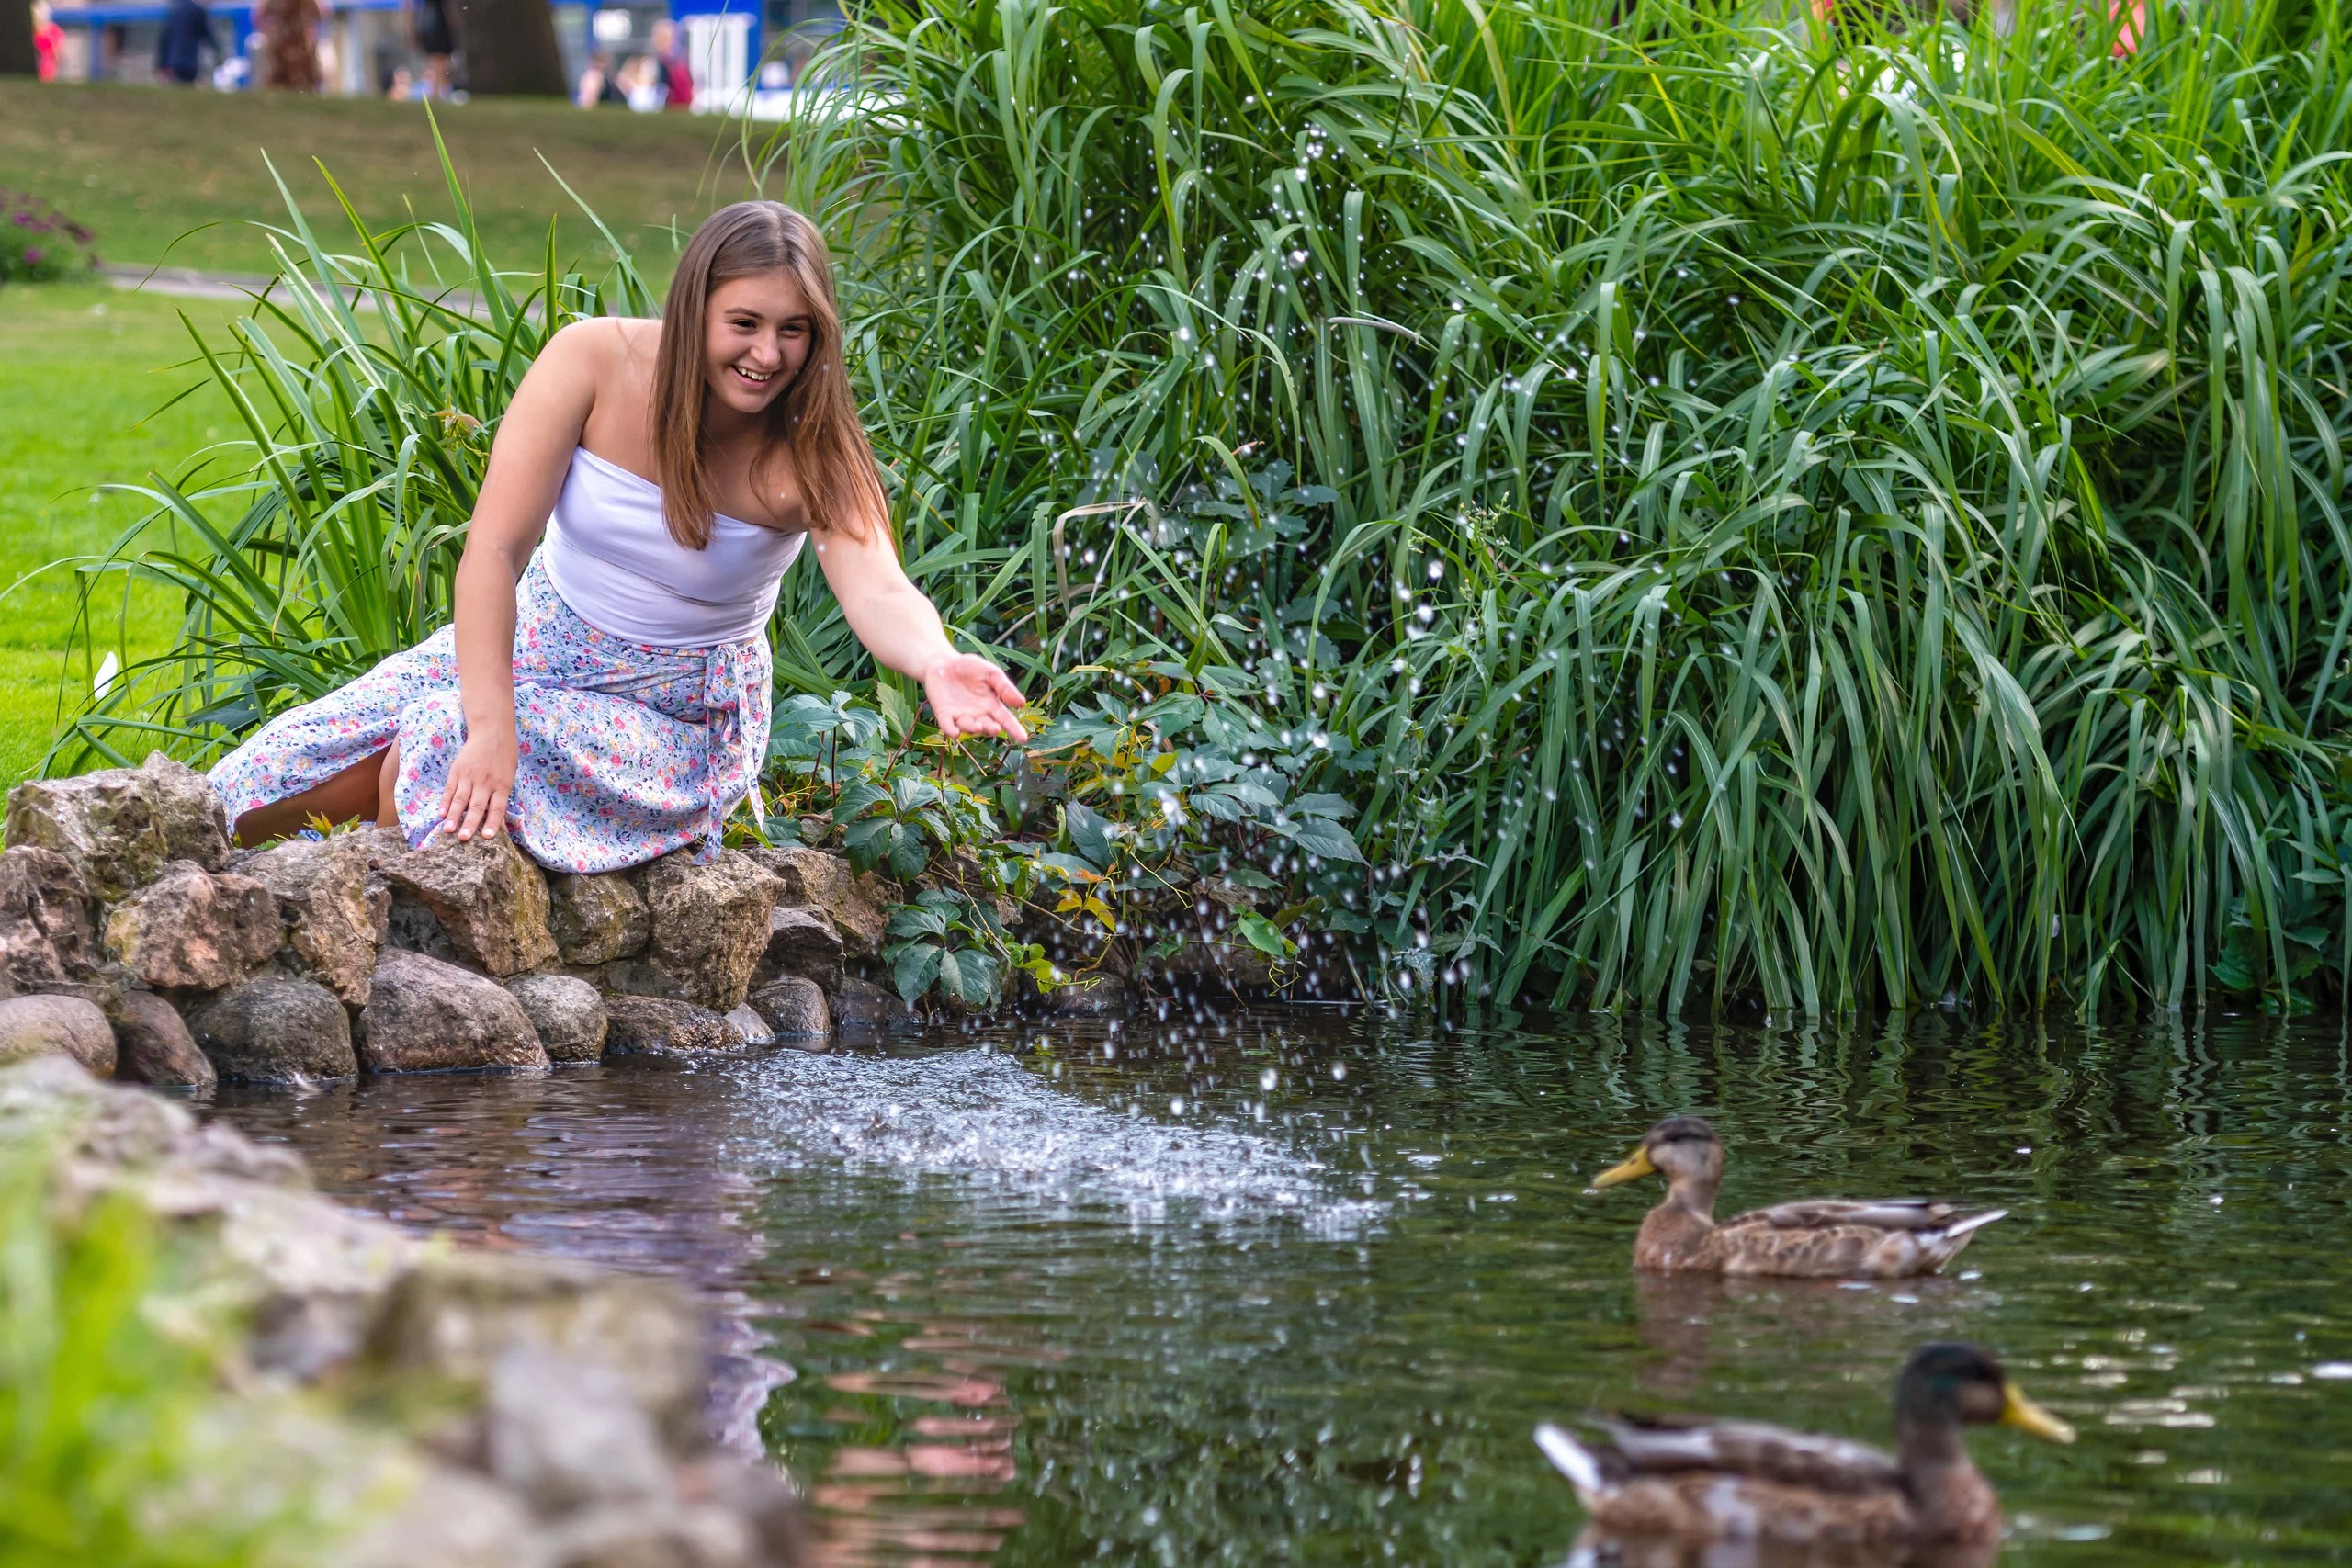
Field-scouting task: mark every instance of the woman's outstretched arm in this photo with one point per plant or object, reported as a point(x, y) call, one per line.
point(901, 627)
point(528, 459)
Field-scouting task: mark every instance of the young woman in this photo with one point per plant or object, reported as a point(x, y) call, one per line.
point(604, 693)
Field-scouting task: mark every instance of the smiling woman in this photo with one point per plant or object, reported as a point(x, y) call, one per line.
point(603, 690)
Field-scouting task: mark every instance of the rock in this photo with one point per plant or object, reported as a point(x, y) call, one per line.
point(755, 1493)
point(119, 827)
point(449, 1519)
point(276, 1030)
point(488, 897)
point(423, 1015)
point(565, 1433)
point(455, 1314)
point(192, 930)
point(661, 1026)
point(1090, 996)
point(568, 1012)
point(794, 1009)
point(804, 942)
point(322, 895)
point(861, 1004)
point(45, 930)
point(598, 918)
point(57, 1026)
point(153, 1045)
point(649, 1535)
point(748, 1021)
point(709, 924)
point(860, 906)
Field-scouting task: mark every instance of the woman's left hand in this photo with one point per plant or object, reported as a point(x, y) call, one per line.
point(971, 696)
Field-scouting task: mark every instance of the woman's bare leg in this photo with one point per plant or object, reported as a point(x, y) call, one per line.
point(352, 794)
point(388, 810)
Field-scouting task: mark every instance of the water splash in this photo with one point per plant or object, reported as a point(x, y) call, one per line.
point(978, 1117)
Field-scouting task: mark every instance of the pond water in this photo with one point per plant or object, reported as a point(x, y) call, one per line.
point(1296, 1287)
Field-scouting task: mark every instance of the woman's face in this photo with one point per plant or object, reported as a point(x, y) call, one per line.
point(756, 333)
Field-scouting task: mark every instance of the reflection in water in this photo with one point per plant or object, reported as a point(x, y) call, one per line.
point(1264, 1291)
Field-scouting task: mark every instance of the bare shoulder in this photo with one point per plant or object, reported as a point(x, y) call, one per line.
point(600, 344)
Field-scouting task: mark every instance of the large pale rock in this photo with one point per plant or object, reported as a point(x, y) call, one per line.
point(803, 941)
point(597, 918)
point(753, 1025)
point(796, 1010)
point(120, 827)
point(663, 1026)
point(423, 1015)
point(276, 1030)
point(655, 1535)
point(57, 1026)
point(709, 927)
point(488, 897)
point(455, 1314)
point(330, 922)
point(153, 1045)
point(192, 930)
point(451, 1519)
point(565, 1433)
point(860, 906)
point(568, 1012)
point(45, 930)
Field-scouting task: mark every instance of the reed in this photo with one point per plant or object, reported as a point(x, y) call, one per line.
point(1751, 512)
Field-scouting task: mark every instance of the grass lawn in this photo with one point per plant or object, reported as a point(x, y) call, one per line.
point(147, 169)
point(81, 369)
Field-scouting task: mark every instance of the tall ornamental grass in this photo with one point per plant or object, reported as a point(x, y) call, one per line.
point(1733, 509)
point(1749, 510)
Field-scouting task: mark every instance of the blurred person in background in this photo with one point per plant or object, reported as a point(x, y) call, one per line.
point(49, 38)
point(640, 83)
point(677, 78)
point(429, 28)
point(286, 45)
point(184, 39)
point(598, 84)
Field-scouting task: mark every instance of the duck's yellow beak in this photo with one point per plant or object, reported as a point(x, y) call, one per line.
point(2019, 1410)
point(1636, 1164)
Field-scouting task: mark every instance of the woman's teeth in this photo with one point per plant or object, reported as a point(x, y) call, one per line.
point(757, 378)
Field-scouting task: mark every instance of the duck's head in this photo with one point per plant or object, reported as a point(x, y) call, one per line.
point(1680, 1148)
point(1948, 1385)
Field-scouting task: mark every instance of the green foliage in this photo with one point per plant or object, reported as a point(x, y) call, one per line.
point(41, 244)
point(1808, 519)
point(368, 385)
point(96, 1402)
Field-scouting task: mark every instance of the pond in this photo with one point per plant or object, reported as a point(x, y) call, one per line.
point(1296, 1286)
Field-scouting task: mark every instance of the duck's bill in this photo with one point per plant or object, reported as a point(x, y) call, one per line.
point(2019, 1410)
point(1635, 1165)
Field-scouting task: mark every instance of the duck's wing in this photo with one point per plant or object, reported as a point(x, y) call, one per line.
point(1882, 1238)
point(1752, 1449)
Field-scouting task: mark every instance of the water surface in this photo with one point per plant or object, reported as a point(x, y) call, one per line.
point(1296, 1287)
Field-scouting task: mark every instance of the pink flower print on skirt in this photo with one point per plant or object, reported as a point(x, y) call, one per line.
point(625, 752)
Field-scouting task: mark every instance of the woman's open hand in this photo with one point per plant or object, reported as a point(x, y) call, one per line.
point(971, 696)
point(474, 800)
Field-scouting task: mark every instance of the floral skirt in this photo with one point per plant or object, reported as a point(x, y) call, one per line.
point(627, 753)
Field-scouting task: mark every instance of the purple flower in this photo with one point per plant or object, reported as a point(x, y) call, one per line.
point(33, 254)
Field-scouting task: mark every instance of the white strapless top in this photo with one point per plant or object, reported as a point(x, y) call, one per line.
point(610, 557)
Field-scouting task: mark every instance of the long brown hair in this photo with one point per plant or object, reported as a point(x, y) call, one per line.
point(815, 416)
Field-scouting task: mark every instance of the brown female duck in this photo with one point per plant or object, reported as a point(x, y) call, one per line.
point(1742, 1482)
point(1887, 1239)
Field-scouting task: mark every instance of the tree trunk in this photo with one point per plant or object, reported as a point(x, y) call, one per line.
point(509, 48)
point(17, 57)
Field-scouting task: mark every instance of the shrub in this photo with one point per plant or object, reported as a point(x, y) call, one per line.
point(41, 244)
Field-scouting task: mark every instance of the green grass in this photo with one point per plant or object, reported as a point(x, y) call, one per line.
point(177, 177)
point(86, 373)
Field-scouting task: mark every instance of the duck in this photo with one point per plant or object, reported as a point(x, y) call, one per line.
point(1743, 1483)
point(1888, 1239)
